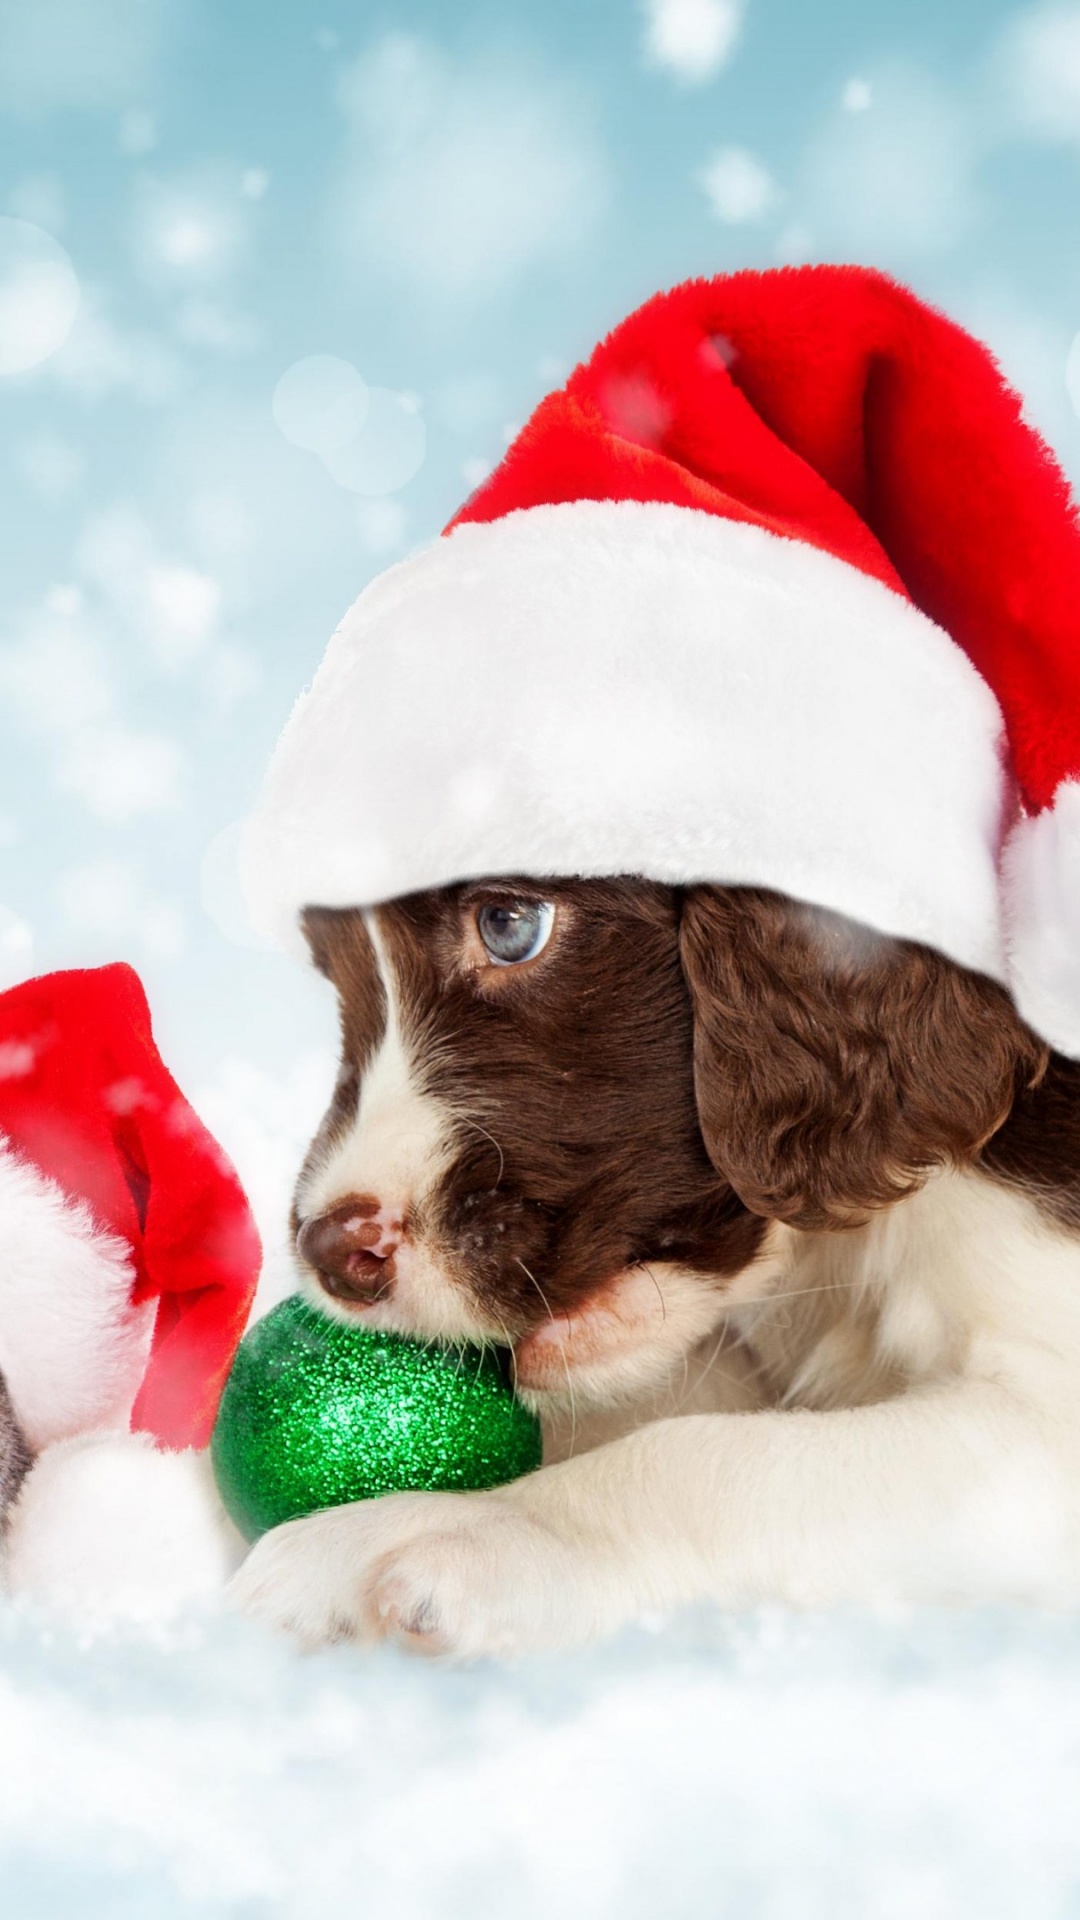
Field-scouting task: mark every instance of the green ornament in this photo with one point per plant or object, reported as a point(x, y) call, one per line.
point(316, 1413)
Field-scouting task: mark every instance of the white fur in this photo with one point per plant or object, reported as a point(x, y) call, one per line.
point(916, 1436)
point(72, 1348)
point(107, 1528)
point(396, 1147)
point(615, 687)
point(1042, 873)
point(395, 1151)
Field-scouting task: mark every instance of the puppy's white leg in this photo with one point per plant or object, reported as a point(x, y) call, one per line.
point(944, 1493)
point(441, 1573)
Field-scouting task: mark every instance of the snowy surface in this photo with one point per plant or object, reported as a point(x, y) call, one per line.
point(769, 1767)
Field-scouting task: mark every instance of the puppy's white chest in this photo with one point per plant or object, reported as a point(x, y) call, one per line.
point(849, 1319)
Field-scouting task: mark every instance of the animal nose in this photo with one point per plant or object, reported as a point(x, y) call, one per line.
point(352, 1247)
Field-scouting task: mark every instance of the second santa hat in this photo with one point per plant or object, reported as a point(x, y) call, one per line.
point(779, 589)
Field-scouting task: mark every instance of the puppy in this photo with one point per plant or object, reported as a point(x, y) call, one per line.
point(780, 1218)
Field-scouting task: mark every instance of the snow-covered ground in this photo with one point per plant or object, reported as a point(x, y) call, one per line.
point(778, 1768)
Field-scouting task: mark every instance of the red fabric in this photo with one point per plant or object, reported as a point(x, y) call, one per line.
point(85, 1096)
point(830, 405)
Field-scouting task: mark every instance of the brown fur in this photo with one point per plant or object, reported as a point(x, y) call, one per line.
point(835, 1067)
point(342, 950)
point(681, 1066)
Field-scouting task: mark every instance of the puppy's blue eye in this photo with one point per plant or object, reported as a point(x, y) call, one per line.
point(516, 930)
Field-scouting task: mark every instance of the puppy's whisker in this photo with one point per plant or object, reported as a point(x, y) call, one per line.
point(709, 1367)
point(510, 1349)
point(529, 1275)
point(468, 1121)
point(659, 1290)
point(795, 1293)
point(504, 1330)
point(663, 1316)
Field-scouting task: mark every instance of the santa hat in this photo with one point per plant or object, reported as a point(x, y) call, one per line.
point(129, 1253)
point(779, 589)
point(129, 1263)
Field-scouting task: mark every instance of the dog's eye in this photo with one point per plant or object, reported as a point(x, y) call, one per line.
point(515, 931)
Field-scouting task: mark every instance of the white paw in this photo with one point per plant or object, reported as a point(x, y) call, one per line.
point(455, 1575)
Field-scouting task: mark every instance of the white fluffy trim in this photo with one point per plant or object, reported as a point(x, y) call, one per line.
point(72, 1348)
point(1041, 872)
point(107, 1528)
point(615, 687)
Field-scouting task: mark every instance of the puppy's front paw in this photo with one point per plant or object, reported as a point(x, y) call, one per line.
point(494, 1582)
point(458, 1575)
point(311, 1577)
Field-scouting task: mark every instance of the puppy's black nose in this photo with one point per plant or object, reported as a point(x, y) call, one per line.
point(352, 1248)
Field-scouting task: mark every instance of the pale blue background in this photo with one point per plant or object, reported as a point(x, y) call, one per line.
point(147, 443)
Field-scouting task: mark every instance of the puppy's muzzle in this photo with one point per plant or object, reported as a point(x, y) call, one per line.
point(352, 1248)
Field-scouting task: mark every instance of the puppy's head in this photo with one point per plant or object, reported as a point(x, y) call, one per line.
point(577, 1105)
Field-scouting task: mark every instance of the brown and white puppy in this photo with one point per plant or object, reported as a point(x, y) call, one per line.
point(781, 1219)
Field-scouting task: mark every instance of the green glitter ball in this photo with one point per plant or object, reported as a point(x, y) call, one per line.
point(315, 1413)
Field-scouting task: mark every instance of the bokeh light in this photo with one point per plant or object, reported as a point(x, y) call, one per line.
point(387, 452)
point(321, 403)
point(39, 295)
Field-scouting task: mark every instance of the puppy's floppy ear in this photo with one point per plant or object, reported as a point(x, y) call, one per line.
point(316, 926)
point(333, 934)
point(833, 1067)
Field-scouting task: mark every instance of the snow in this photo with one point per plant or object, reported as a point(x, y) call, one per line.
point(693, 39)
point(900, 184)
point(188, 227)
point(110, 899)
point(119, 772)
point(58, 681)
point(101, 360)
point(737, 186)
point(767, 1767)
point(858, 95)
point(265, 1123)
point(1039, 56)
point(462, 174)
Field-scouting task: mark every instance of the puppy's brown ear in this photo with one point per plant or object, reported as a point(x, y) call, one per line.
point(314, 929)
point(333, 934)
point(833, 1067)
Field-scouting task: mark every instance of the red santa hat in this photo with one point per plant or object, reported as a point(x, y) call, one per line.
point(779, 589)
point(129, 1264)
point(130, 1255)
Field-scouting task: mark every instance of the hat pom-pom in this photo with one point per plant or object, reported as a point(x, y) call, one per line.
point(108, 1529)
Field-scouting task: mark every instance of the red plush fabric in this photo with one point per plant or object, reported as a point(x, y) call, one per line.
point(830, 405)
point(85, 1096)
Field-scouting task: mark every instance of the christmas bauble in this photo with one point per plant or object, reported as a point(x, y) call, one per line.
point(316, 1413)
